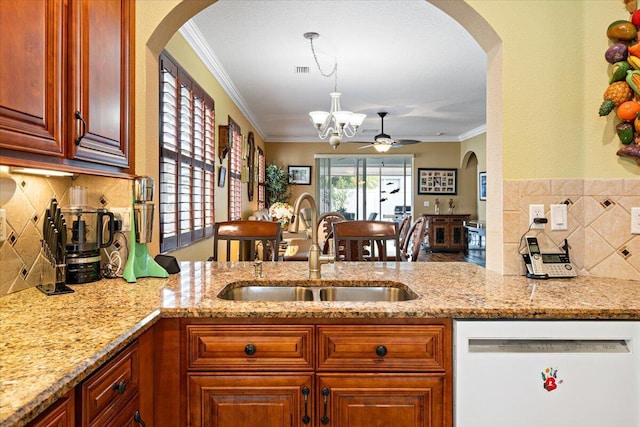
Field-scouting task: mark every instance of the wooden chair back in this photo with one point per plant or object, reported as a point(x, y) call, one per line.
point(363, 240)
point(414, 239)
point(403, 232)
point(247, 233)
point(325, 229)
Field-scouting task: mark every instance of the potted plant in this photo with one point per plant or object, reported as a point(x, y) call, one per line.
point(276, 184)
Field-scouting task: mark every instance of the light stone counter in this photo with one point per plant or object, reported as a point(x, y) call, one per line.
point(49, 344)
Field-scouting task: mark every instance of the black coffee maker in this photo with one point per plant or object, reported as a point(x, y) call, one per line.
point(90, 230)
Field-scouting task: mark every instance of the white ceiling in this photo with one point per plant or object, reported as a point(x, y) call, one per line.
point(407, 58)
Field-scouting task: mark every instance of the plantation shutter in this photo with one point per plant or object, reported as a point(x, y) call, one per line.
point(187, 120)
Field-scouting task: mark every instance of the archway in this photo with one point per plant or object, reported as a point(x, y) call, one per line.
point(170, 16)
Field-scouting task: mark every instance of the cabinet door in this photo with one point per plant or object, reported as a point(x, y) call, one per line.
point(265, 400)
point(60, 414)
point(32, 76)
point(439, 230)
point(99, 80)
point(398, 400)
point(458, 233)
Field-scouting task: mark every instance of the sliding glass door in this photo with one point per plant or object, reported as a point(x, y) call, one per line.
point(365, 187)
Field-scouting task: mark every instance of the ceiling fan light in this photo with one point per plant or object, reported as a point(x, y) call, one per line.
point(383, 138)
point(382, 148)
point(318, 118)
point(357, 119)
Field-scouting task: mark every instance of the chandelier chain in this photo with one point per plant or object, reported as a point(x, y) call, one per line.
point(333, 72)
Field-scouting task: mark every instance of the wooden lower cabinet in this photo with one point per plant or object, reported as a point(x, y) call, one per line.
point(381, 399)
point(337, 375)
point(245, 400)
point(60, 414)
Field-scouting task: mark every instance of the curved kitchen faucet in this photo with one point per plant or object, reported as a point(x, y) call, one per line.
point(315, 258)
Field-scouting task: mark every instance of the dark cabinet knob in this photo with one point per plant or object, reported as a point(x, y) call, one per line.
point(120, 387)
point(250, 349)
point(381, 350)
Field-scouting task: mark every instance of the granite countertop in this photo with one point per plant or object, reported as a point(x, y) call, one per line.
point(49, 344)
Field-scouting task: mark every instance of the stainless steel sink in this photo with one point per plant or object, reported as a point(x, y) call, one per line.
point(267, 293)
point(369, 293)
point(293, 291)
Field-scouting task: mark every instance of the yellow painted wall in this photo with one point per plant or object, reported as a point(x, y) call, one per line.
point(554, 74)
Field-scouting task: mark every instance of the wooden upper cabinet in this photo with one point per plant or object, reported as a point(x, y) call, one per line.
point(32, 76)
point(99, 67)
point(61, 57)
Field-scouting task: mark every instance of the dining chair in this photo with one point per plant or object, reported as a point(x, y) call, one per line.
point(325, 229)
point(364, 240)
point(403, 230)
point(266, 234)
point(413, 242)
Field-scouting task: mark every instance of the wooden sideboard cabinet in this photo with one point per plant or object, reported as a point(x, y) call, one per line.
point(446, 232)
point(62, 63)
point(340, 374)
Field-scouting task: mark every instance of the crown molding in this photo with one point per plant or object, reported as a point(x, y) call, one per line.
point(198, 43)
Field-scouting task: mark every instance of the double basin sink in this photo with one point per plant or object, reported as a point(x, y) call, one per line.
point(329, 291)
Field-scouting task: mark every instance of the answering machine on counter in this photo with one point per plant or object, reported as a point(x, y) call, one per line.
point(547, 266)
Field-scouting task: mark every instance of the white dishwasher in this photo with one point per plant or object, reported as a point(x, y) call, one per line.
point(546, 373)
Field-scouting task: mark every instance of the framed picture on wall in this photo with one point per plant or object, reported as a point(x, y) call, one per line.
point(482, 186)
point(300, 175)
point(437, 181)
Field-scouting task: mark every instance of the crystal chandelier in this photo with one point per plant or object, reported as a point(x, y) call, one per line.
point(335, 123)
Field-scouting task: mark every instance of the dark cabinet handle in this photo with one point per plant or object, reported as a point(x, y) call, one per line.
point(305, 393)
point(137, 418)
point(381, 350)
point(120, 387)
point(84, 127)
point(250, 349)
point(325, 394)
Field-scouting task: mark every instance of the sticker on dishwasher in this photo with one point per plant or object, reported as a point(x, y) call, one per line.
point(550, 378)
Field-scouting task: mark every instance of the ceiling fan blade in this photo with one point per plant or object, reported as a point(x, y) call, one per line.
point(401, 142)
point(366, 146)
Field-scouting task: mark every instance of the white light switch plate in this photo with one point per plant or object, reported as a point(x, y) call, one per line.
point(635, 220)
point(426, 203)
point(559, 217)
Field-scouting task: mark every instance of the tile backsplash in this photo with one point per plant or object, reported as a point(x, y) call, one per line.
point(25, 198)
point(599, 226)
point(599, 231)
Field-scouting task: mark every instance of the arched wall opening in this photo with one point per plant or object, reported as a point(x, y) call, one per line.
point(161, 19)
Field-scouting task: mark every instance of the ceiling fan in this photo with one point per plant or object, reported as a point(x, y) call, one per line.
point(382, 142)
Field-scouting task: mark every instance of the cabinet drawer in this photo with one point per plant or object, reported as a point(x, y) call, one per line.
point(382, 348)
point(110, 388)
point(239, 347)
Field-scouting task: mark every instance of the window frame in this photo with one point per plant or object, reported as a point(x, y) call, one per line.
point(235, 171)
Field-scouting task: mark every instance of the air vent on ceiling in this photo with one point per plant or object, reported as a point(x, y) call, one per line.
point(302, 70)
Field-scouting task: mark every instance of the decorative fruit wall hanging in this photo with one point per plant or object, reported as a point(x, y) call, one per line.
point(623, 92)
